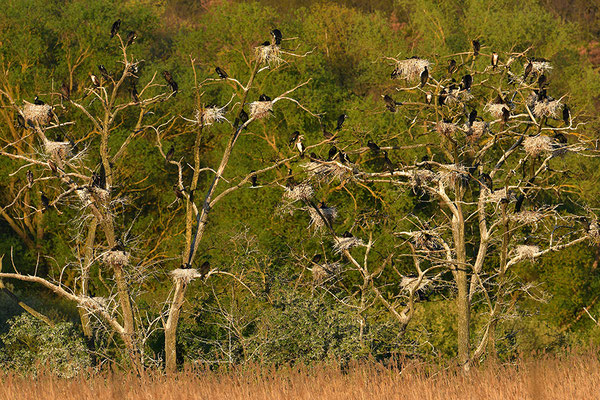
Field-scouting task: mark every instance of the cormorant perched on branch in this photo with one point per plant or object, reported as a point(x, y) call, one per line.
point(542, 81)
point(29, 178)
point(428, 98)
point(222, 74)
point(169, 78)
point(373, 147)
point(486, 181)
point(424, 76)
point(115, 28)
point(347, 234)
point(254, 179)
point(326, 134)
point(204, 269)
point(472, 117)
point(95, 80)
point(340, 121)
point(52, 167)
point(65, 91)
point(332, 153)
point(119, 246)
point(134, 94)
point(389, 165)
point(467, 81)
point(566, 115)
point(476, 47)
point(45, 201)
point(131, 37)
point(277, 36)
point(293, 137)
point(178, 192)
point(317, 258)
point(37, 101)
point(391, 103)
point(104, 72)
point(299, 145)
point(243, 117)
point(170, 154)
point(442, 97)
point(505, 115)
point(528, 69)
point(452, 66)
point(495, 58)
point(264, 97)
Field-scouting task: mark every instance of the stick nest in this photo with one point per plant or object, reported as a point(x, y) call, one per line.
point(445, 128)
point(527, 217)
point(116, 257)
point(40, 114)
point(322, 273)
point(476, 130)
point(327, 170)
point(270, 54)
point(594, 232)
point(329, 213)
point(457, 96)
point(302, 191)
point(410, 68)
point(261, 109)
point(540, 66)
point(58, 150)
point(420, 176)
point(496, 109)
point(453, 174)
point(412, 284)
point(344, 243)
point(547, 108)
point(184, 276)
point(210, 115)
point(537, 145)
point(526, 251)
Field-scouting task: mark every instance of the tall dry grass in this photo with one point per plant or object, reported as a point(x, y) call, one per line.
point(573, 377)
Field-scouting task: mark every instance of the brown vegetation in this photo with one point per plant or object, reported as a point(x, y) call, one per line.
point(573, 377)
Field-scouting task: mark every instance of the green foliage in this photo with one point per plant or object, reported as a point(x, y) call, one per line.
point(31, 346)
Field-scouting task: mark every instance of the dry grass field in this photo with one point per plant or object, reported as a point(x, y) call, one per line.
point(574, 377)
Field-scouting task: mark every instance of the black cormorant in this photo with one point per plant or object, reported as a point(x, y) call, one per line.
point(115, 28)
point(222, 74)
point(340, 121)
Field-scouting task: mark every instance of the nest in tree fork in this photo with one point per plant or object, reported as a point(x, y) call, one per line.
point(453, 174)
point(58, 150)
point(526, 251)
point(411, 68)
point(301, 191)
point(327, 170)
point(40, 114)
point(344, 243)
point(323, 272)
point(420, 176)
point(261, 109)
point(537, 145)
point(594, 232)
point(116, 257)
point(476, 130)
point(547, 108)
point(540, 66)
point(270, 54)
point(526, 217)
point(445, 128)
point(210, 115)
point(329, 213)
point(412, 284)
point(496, 109)
point(184, 276)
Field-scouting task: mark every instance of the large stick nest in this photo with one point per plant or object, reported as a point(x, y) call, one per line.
point(329, 213)
point(346, 243)
point(116, 257)
point(327, 170)
point(270, 54)
point(537, 145)
point(40, 114)
point(184, 276)
point(547, 108)
point(210, 115)
point(411, 68)
point(321, 273)
point(301, 191)
point(58, 150)
point(496, 109)
point(412, 284)
point(526, 251)
point(261, 109)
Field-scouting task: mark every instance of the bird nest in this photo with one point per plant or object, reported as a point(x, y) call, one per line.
point(540, 66)
point(526, 217)
point(321, 273)
point(100, 194)
point(526, 251)
point(411, 68)
point(302, 191)
point(445, 128)
point(496, 196)
point(426, 240)
point(594, 232)
point(210, 115)
point(422, 175)
point(346, 243)
point(116, 257)
point(453, 174)
point(547, 108)
point(496, 109)
point(40, 114)
point(536, 145)
point(412, 284)
point(101, 301)
point(58, 150)
point(84, 196)
point(457, 96)
point(476, 130)
point(261, 109)
point(328, 213)
point(270, 54)
point(184, 276)
point(327, 170)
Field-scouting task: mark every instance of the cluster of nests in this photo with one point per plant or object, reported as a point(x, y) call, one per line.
point(40, 114)
point(327, 171)
point(410, 68)
point(93, 194)
point(210, 115)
